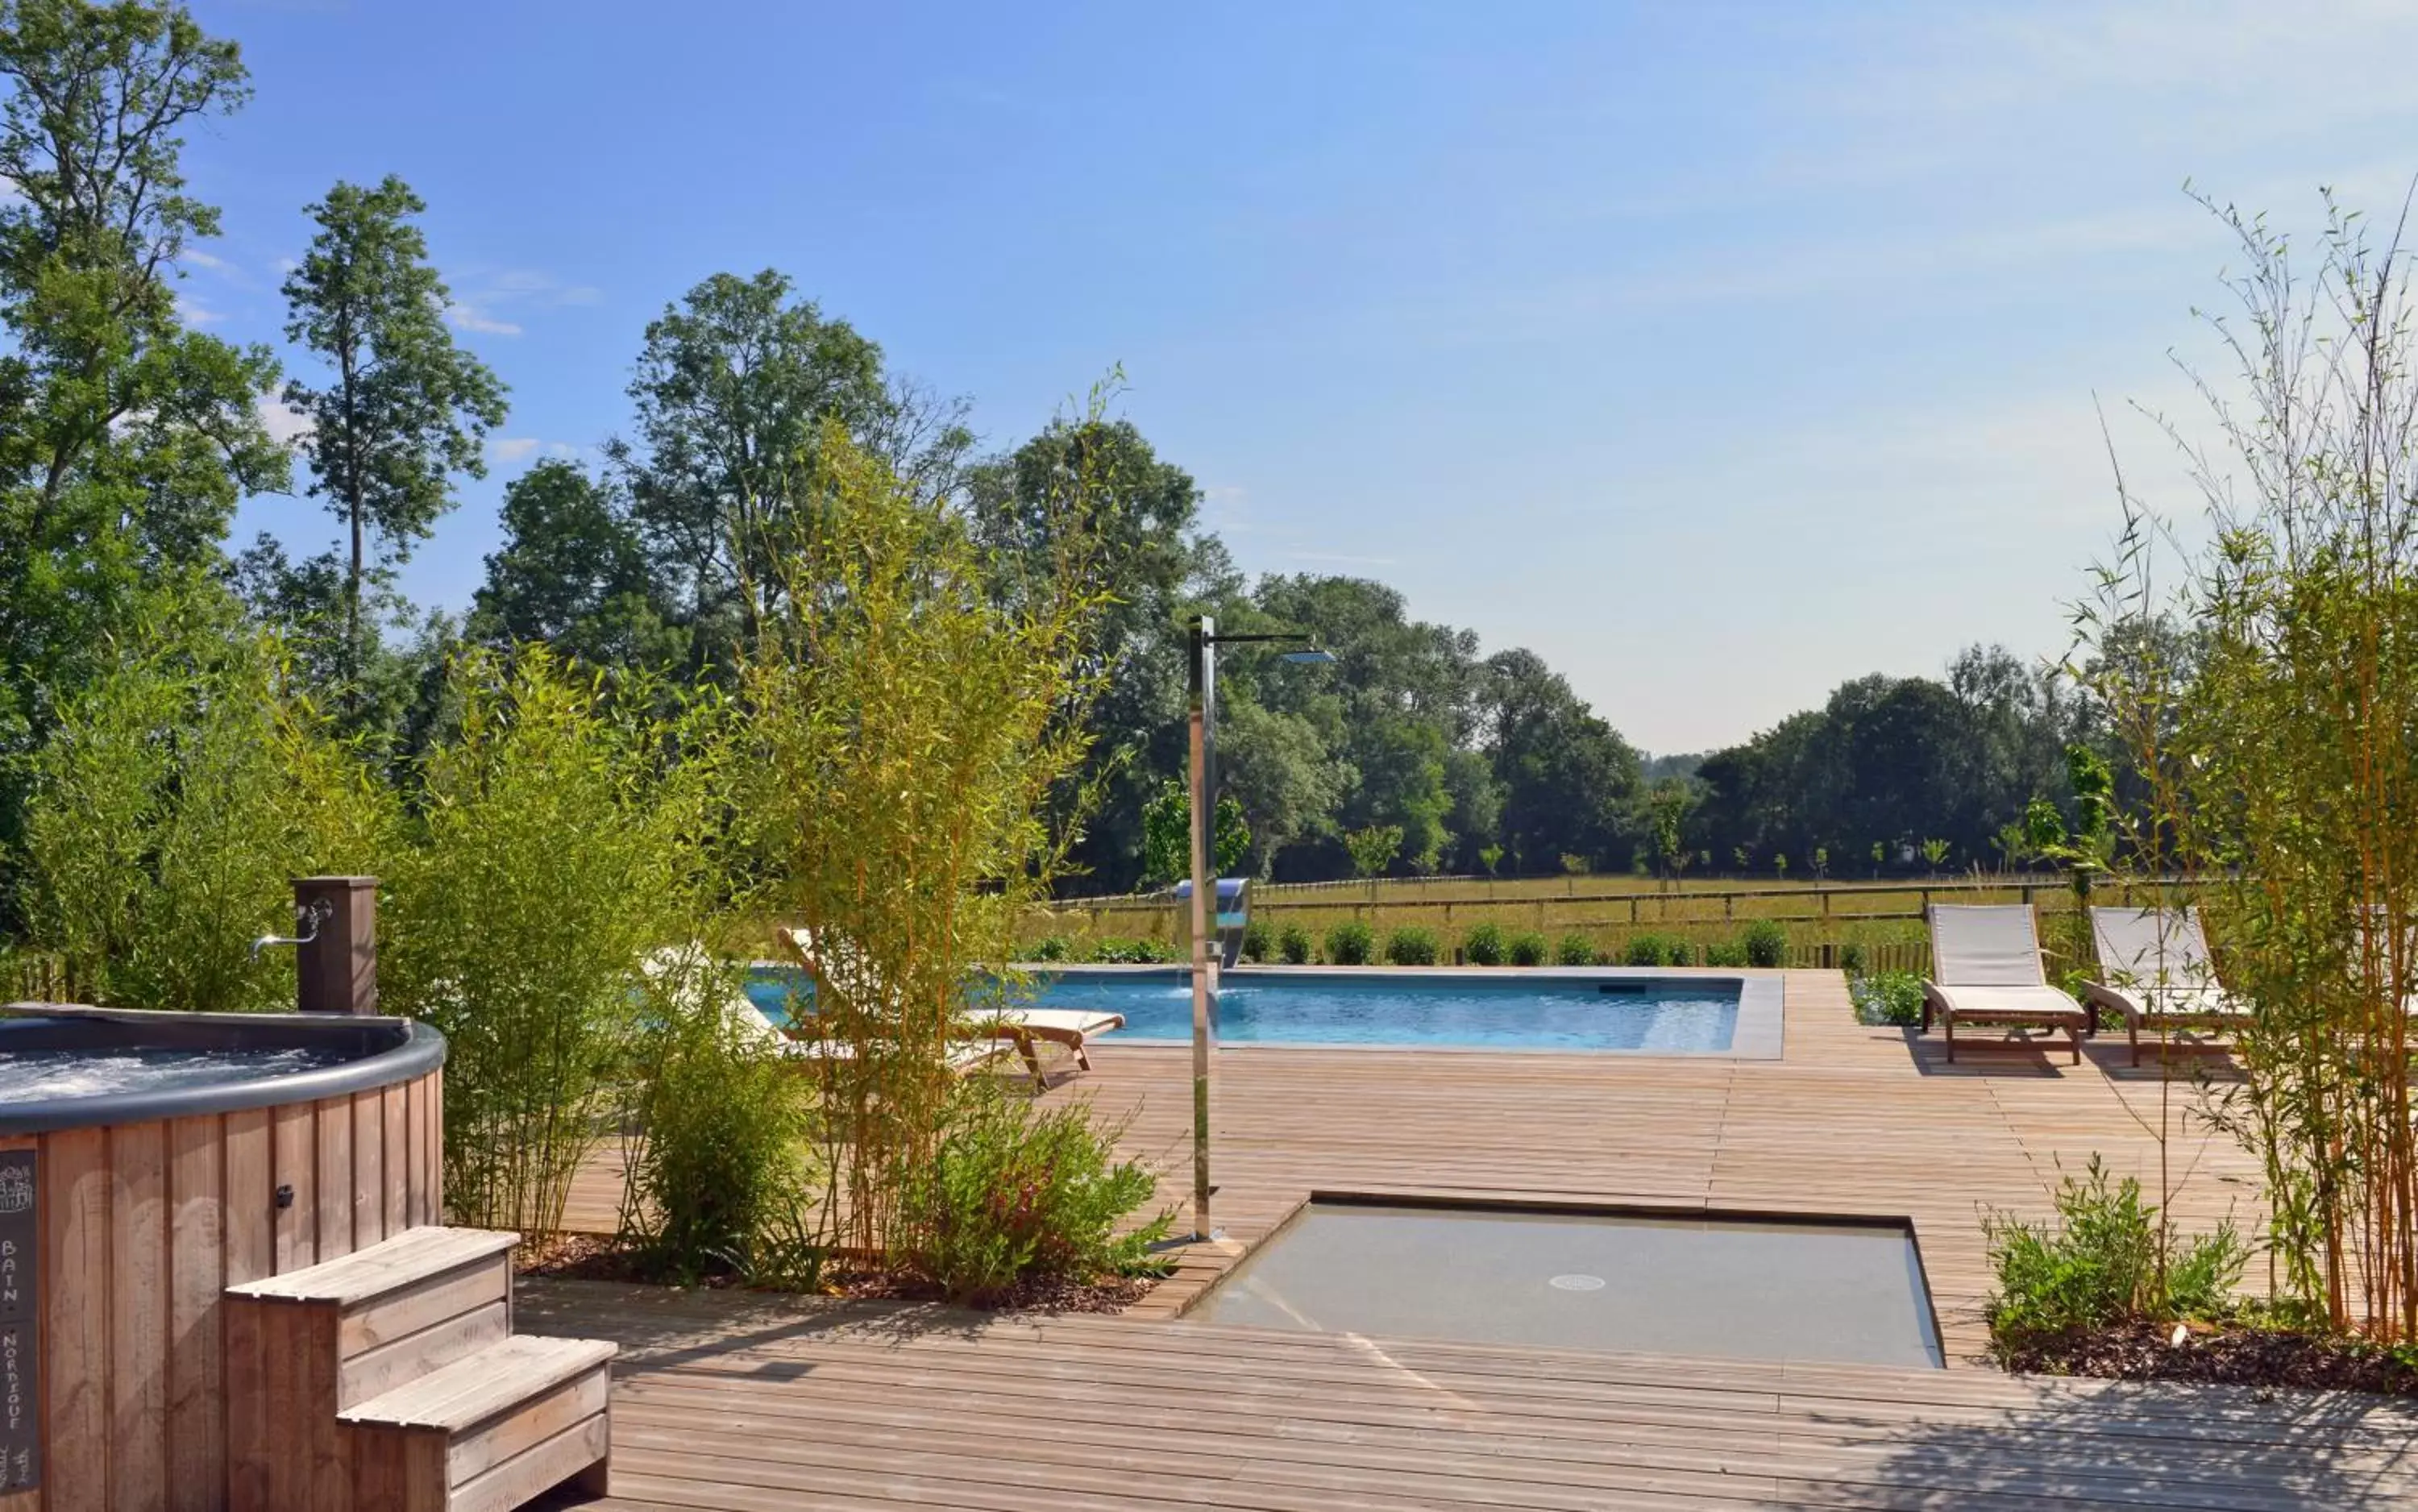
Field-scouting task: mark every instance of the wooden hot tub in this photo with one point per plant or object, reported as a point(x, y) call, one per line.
point(149, 1161)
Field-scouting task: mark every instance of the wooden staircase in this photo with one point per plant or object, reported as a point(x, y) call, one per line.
point(390, 1381)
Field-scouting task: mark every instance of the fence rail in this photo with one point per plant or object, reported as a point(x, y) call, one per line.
point(1827, 907)
point(1520, 889)
point(1879, 955)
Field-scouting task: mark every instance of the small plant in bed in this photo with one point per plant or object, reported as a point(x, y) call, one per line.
point(1023, 1204)
point(1411, 946)
point(2110, 1287)
point(1350, 944)
point(717, 1180)
point(1767, 943)
point(1259, 941)
point(1292, 944)
point(2106, 1258)
point(1527, 949)
point(1483, 945)
point(1574, 950)
point(1887, 998)
point(1651, 949)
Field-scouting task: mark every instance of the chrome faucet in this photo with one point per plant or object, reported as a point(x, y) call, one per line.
point(306, 920)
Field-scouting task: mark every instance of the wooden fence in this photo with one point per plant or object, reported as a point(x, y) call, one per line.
point(1829, 908)
point(1473, 888)
point(1878, 956)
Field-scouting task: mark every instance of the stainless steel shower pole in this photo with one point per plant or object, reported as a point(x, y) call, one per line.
point(1204, 959)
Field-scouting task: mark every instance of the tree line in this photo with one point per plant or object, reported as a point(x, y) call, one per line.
point(127, 436)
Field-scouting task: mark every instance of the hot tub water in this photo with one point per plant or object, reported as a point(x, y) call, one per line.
point(38, 1075)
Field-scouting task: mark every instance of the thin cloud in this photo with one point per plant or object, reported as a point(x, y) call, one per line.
point(541, 289)
point(463, 316)
point(517, 448)
point(496, 302)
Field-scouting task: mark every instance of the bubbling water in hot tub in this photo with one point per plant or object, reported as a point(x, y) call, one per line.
point(41, 1075)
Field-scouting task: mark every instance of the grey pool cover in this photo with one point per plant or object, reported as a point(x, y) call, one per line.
point(1671, 1286)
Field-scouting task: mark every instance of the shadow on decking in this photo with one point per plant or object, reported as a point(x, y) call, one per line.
point(2158, 1443)
point(1990, 1053)
point(658, 1327)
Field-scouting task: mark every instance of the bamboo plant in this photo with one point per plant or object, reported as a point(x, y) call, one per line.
point(2260, 665)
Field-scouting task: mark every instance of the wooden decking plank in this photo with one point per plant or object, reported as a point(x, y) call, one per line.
point(908, 1430)
point(2076, 1456)
point(1136, 1358)
point(1207, 1413)
point(748, 1403)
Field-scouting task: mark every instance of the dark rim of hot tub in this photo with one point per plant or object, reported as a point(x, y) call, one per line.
point(391, 1050)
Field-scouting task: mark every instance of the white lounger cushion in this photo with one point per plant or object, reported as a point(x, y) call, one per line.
point(1988, 946)
point(2157, 961)
point(2153, 948)
point(1981, 1001)
point(1063, 1021)
point(963, 1055)
point(1985, 960)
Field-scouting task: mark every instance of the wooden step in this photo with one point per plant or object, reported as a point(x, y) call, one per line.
point(304, 1345)
point(363, 1276)
point(487, 1432)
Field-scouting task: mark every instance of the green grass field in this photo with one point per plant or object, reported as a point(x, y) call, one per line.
point(1884, 917)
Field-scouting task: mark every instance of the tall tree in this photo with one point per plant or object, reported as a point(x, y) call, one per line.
point(1896, 761)
point(1393, 707)
point(1569, 781)
point(405, 408)
point(1144, 514)
point(732, 389)
point(125, 438)
point(572, 574)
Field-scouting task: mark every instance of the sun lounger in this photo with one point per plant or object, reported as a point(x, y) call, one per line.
point(993, 1031)
point(1055, 1026)
point(964, 1056)
point(688, 970)
point(749, 1026)
point(1986, 968)
point(2157, 973)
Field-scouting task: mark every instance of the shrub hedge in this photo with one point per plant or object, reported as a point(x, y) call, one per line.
point(1483, 945)
point(1350, 944)
point(1411, 946)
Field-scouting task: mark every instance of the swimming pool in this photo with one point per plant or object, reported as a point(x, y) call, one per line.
point(1649, 1013)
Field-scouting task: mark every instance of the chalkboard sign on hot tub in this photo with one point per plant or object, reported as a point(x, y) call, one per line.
point(20, 1422)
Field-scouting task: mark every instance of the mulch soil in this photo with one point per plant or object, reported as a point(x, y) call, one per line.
point(2232, 1355)
point(592, 1258)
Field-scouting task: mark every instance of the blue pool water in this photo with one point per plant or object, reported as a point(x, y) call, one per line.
point(1407, 1008)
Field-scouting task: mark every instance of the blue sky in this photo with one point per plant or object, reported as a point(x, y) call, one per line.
point(1717, 352)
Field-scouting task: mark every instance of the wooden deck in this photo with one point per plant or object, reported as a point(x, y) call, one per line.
point(746, 1402)
point(755, 1403)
